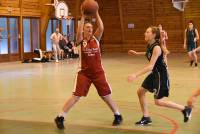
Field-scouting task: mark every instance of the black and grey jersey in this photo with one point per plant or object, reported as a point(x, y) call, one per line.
point(160, 64)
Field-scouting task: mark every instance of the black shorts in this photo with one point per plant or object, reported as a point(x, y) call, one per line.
point(191, 46)
point(157, 83)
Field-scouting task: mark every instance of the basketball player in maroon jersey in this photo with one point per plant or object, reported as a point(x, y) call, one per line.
point(90, 70)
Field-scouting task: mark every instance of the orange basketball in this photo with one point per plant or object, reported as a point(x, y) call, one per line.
point(90, 7)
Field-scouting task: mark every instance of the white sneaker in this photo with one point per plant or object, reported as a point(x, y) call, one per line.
point(57, 61)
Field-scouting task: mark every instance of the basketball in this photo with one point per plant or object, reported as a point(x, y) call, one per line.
point(90, 7)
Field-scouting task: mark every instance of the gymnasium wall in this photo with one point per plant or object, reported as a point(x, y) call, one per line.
point(172, 21)
point(192, 12)
point(143, 13)
point(140, 14)
point(117, 14)
point(12, 8)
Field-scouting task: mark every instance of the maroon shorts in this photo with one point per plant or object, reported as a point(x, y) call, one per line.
point(84, 81)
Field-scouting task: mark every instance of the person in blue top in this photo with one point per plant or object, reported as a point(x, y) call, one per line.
point(190, 42)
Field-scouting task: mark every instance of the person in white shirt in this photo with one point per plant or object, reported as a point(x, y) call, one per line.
point(55, 38)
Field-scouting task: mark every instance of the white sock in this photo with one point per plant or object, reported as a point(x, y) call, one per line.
point(117, 113)
point(62, 114)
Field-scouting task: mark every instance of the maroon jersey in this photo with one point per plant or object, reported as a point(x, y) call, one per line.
point(90, 56)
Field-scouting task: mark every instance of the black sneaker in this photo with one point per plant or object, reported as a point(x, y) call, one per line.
point(191, 63)
point(196, 65)
point(187, 113)
point(59, 122)
point(117, 120)
point(144, 121)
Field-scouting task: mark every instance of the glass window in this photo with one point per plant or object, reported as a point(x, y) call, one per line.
point(64, 27)
point(48, 40)
point(14, 35)
point(35, 34)
point(68, 28)
point(26, 33)
point(4, 36)
point(71, 30)
point(55, 25)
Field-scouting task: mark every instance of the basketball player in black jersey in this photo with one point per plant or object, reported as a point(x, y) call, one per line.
point(157, 81)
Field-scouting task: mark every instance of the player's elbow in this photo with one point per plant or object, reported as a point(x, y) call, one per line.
point(150, 67)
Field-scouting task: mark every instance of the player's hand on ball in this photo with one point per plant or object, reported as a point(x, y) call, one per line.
point(132, 52)
point(131, 78)
point(82, 12)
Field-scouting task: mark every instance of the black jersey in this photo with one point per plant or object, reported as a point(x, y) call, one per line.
point(160, 64)
point(157, 81)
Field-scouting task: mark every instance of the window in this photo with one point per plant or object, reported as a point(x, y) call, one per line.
point(31, 34)
point(35, 34)
point(71, 30)
point(52, 25)
point(27, 35)
point(48, 40)
point(55, 25)
point(64, 27)
point(68, 28)
point(14, 42)
point(4, 36)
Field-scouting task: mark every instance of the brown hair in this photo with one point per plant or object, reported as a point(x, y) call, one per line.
point(192, 24)
point(155, 30)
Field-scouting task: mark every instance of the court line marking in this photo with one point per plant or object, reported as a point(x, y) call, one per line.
point(171, 121)
point(91, 126)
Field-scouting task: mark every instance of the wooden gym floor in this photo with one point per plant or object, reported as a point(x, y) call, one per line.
point(32, 94)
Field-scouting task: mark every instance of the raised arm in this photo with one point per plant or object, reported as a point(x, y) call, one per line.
point(149, 67)
point(79, 35)
point(132, 52)
point(100, 28)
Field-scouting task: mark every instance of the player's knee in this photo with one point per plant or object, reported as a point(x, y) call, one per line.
point(140, 92)
point(107, 97)
point(190, 102)
point(76, 98)
point(158, 102)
